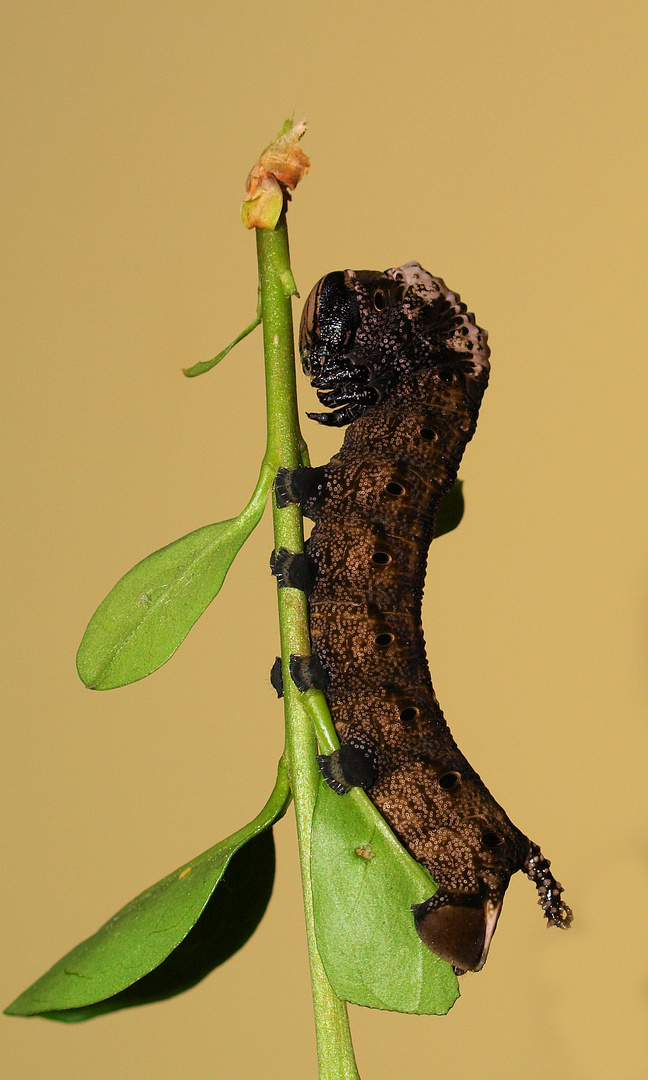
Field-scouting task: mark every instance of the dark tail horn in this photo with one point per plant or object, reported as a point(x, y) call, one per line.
point(536, 867)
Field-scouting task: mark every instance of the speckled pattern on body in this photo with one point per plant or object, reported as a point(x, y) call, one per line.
point(406, 366)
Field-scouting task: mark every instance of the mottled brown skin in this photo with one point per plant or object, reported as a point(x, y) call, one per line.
point(409, 370)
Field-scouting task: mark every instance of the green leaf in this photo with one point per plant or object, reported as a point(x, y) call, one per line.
point(364, 885)
point(451, 510)
point(171, 936)
point(150, 611)
point(207, 365)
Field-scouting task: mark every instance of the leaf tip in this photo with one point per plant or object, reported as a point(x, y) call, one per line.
point(20, 1007)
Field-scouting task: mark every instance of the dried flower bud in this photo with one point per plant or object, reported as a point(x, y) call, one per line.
point(263, 209)
point(278, 171)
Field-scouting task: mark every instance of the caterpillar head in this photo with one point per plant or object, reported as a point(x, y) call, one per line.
point(361, 330)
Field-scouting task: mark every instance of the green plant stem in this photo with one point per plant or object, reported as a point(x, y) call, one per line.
point(286, 447)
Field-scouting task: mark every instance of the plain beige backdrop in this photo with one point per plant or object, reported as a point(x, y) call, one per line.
point(503, 145)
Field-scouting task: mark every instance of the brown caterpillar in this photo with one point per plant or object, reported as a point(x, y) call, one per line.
point(406, 366)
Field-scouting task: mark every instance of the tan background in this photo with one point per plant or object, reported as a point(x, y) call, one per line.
point(503, 146)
